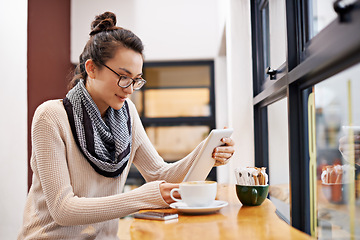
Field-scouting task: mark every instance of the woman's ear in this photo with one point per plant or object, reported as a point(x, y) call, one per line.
point(90, 68)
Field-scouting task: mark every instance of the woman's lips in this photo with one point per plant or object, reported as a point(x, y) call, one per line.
point(122, 99)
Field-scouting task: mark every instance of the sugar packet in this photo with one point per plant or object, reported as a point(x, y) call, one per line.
point(251, 176)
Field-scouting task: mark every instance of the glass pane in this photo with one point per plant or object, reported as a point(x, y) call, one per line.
point(321, 13)
point(338, 188)
point(174, 143)
point(277, 27)
point(279, 157)
point(177, 76)
point(190, 102)
point(136, 97)
point(273, 23)
point(266, 37)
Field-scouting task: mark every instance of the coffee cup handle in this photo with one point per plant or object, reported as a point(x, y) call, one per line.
point(171, 194)
point(254, 195)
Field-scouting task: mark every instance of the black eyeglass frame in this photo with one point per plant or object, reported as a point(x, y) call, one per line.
point(141, 80)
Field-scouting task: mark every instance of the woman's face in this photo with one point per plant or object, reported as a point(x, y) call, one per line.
point(102, 82)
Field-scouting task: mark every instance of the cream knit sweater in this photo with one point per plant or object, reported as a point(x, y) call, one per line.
point(69, 200)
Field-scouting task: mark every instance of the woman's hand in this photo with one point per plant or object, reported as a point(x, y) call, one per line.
point(222, 154)
point(165, 189)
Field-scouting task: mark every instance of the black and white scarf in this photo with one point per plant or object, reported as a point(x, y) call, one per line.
point(106, 143)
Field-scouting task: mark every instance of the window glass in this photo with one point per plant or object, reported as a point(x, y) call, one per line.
point(338, 188)
point(187, 87)
point(137, 97)
point(265, 37)
point(277, 34)
point(177, 76)
point(321, 14)
point(279, 157)
point(174, 143)
point(187, 102)
point(273, 24)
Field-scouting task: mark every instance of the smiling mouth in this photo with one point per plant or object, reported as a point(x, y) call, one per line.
point(121, 98)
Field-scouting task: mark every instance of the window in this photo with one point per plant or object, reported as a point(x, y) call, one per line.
point(337, 177)
point(271, 141)
point(270, 39)
point(322, 59)
point(279, 158)
point(321, 14)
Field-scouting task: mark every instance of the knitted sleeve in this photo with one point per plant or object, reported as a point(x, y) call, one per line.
point(149, 163)
point(50, 160)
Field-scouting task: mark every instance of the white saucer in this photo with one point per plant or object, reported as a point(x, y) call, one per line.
point(182, 207)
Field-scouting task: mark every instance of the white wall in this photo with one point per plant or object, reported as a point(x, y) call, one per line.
point(169, 29)
point(239, 86)
point(13, 120)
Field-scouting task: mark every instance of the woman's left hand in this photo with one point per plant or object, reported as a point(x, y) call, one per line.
point(222, 154)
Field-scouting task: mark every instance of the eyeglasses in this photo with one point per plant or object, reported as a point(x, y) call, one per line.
point(126, 81)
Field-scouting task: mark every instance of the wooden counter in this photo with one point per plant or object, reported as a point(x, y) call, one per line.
point(231, 222)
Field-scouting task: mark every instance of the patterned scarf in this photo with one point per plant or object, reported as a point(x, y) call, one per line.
point(106, 143)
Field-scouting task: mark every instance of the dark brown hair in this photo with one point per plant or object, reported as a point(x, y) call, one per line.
point(105, 39)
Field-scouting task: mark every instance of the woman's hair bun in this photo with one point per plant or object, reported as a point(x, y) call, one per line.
point(103, 22)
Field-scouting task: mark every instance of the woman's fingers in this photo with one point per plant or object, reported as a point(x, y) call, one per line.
point(165, 189)
point(222, 154)
point(228, 141)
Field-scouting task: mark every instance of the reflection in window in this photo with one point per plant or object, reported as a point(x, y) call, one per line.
point(338, 188)
point(279, 158)
point(322, 13)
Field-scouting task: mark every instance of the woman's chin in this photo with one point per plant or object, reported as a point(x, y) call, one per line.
point(117, 106)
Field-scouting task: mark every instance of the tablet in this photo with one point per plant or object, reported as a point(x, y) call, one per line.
point(204, 162)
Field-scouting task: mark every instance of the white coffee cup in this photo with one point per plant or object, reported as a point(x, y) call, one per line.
point(196, 193)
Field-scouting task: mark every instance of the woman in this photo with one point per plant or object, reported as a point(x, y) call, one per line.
point(84, 145)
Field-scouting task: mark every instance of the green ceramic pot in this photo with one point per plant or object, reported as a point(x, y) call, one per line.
point(252, 195)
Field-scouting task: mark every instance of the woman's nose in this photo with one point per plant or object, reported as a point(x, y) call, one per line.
point(129, 89)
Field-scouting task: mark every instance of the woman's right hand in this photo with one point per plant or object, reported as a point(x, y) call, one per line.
point(165, 189)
